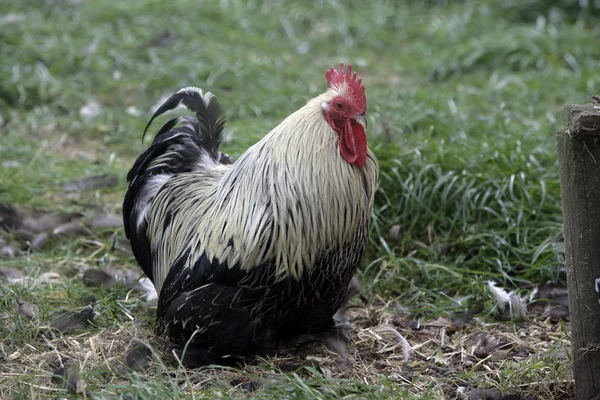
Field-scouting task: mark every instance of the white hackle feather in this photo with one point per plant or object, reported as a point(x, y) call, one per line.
point(150, 189)
point(288, 198)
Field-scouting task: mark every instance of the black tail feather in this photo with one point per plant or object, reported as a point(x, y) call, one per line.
point(182, 144)
point(207, 110)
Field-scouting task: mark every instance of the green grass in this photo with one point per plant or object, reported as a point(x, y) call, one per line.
point(464, 99)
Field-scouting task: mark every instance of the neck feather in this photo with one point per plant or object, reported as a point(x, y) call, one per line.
point(292, 195)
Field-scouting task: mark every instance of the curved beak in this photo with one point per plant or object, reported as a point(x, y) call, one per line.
point(362, 121)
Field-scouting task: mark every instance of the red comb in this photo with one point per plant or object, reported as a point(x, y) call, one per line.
point(336, 78)
point(353, 83)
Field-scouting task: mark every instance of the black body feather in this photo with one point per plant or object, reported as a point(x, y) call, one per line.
point(237, 314)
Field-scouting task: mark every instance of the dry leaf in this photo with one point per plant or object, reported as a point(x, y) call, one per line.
point(6, 249)
point(69, 322)
point(394, 233)
point(26, 310)
point(138, 357)
point(69, 378)
point(97, 277)
point(10, 274)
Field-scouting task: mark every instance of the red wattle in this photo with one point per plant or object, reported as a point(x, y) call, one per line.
point(360, 141)
point(353, 144)
point(347, 144)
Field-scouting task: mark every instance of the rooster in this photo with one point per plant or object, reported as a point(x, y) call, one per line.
point(247, 253)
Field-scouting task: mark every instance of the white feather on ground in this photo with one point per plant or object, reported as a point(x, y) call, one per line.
point(517, 305)
point(146, 286)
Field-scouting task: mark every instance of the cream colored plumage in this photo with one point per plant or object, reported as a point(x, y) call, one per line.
point(316, 191)
point(276, 236)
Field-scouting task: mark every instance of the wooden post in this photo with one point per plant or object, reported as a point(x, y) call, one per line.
point(579, 164)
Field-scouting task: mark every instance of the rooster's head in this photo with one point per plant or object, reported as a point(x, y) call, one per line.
point(345, 112)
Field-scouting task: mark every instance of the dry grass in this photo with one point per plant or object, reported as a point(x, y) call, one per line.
point(448, 358)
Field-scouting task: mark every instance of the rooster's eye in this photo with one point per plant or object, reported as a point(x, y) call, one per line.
point(339, 105)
